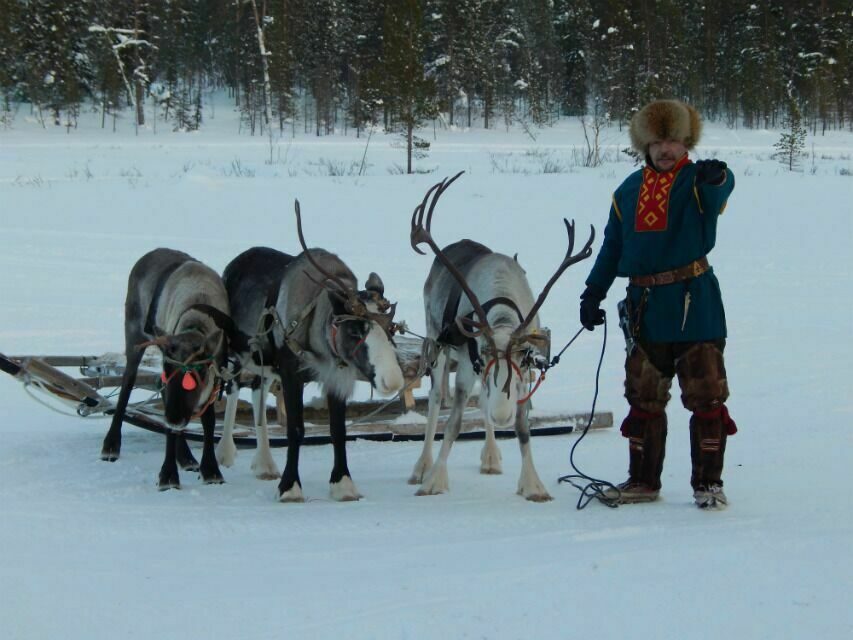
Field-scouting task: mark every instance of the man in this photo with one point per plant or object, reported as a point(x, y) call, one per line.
point(662, 225)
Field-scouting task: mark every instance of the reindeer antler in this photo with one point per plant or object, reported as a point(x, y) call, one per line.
point(341, 289)
point(422, 234)
point(568, 261)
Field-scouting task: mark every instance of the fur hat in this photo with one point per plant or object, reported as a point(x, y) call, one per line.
point(665, 120)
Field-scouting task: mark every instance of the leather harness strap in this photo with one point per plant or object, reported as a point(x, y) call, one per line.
point(692, 270)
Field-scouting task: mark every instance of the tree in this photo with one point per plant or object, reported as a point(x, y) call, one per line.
point(408, 94)
point(54, 43)
point(792, 142)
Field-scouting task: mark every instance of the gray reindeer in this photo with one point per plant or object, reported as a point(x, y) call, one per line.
point(179, 305)
point(302, 319)
point(498, 341)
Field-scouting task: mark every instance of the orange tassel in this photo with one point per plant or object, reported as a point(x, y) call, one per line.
point(188, 382)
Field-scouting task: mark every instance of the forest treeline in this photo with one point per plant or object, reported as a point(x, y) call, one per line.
point(328, 65)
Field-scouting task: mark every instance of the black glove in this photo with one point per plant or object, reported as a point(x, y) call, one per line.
point(591, 313)
point(711, 172)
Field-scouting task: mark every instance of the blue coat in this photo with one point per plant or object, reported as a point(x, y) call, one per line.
point(675, 236)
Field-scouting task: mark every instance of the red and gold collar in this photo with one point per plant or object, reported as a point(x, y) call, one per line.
point(653, 204)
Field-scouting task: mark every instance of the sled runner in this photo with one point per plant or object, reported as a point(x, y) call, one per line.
point(87, 384)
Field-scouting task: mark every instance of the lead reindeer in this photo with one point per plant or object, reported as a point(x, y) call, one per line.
point(179, 305)
point(304, 319)
point(499, 340)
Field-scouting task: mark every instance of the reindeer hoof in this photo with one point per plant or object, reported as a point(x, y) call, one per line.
point(294, 494)
point(424, 492)
point(226, 455)
point(168, 484)
point(265, 469)
point(344, 490)
point(110, 451)
point(542, 496)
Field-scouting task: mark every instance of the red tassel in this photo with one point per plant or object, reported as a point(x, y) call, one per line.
point(731, 427)
point(721, 412)
point(636, 414)
point(188, 382)
point(163, 377)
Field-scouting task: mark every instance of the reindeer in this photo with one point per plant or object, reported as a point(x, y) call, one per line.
point(302, 319)
point(499, 341)
point(180, 306)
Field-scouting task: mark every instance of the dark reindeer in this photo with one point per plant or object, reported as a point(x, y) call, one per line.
point(499, 340)
point(180, 306)
point(302, 319)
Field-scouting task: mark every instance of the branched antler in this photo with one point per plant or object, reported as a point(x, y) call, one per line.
point(348, 294)
point(421, 233)
point(568, 261)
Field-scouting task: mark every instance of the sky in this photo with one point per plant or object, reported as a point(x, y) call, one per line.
point(92, 550)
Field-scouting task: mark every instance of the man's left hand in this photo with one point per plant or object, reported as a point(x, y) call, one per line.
point(711, 172)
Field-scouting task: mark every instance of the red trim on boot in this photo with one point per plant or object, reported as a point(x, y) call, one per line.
point(721, 412)
point(637, 414)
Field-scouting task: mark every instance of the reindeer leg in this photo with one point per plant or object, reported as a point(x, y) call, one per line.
point(437, 376)
point(290, 488)
point(341, 486)
point(226, 450)
point(529, 484)
point(436, 480)
point(184, 455)
point(111, 447)
point(209, 468)
point(490, 456)
point(262, 464)
point(169, 471)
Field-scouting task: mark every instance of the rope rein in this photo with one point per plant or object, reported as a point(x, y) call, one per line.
point(594, 488)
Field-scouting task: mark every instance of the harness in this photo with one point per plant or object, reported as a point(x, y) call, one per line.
point(192, 379)
point(151, 316)
point(450, 335)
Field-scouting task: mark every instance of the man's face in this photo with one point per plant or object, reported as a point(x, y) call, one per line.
point(665, 154)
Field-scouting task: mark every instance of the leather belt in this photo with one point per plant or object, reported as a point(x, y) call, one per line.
point(695, 268)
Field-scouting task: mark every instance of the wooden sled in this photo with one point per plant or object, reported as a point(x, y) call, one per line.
point(88, 393)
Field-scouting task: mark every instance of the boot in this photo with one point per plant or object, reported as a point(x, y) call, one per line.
point(708, 433)
point(646, 433)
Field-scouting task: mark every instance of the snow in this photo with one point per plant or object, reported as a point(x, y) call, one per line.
point(92, 550)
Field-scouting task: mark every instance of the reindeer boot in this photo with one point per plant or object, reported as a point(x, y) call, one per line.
point(708, 433)
point(646, 433)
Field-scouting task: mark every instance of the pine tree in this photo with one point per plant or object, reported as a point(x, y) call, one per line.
point(792, 142)
point(573, 22)
point(409, 95)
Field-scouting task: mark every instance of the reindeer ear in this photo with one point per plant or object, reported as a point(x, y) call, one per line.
point(374, 283)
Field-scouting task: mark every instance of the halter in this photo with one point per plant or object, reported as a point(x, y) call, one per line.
point(333, 335)
point(192, 372)
point(514, 367)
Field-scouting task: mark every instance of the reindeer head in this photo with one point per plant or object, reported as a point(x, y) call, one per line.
point(190, 360)
point(504, 351)
point(362, 325)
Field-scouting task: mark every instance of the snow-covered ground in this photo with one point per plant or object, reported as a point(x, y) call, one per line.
point(92, 550)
